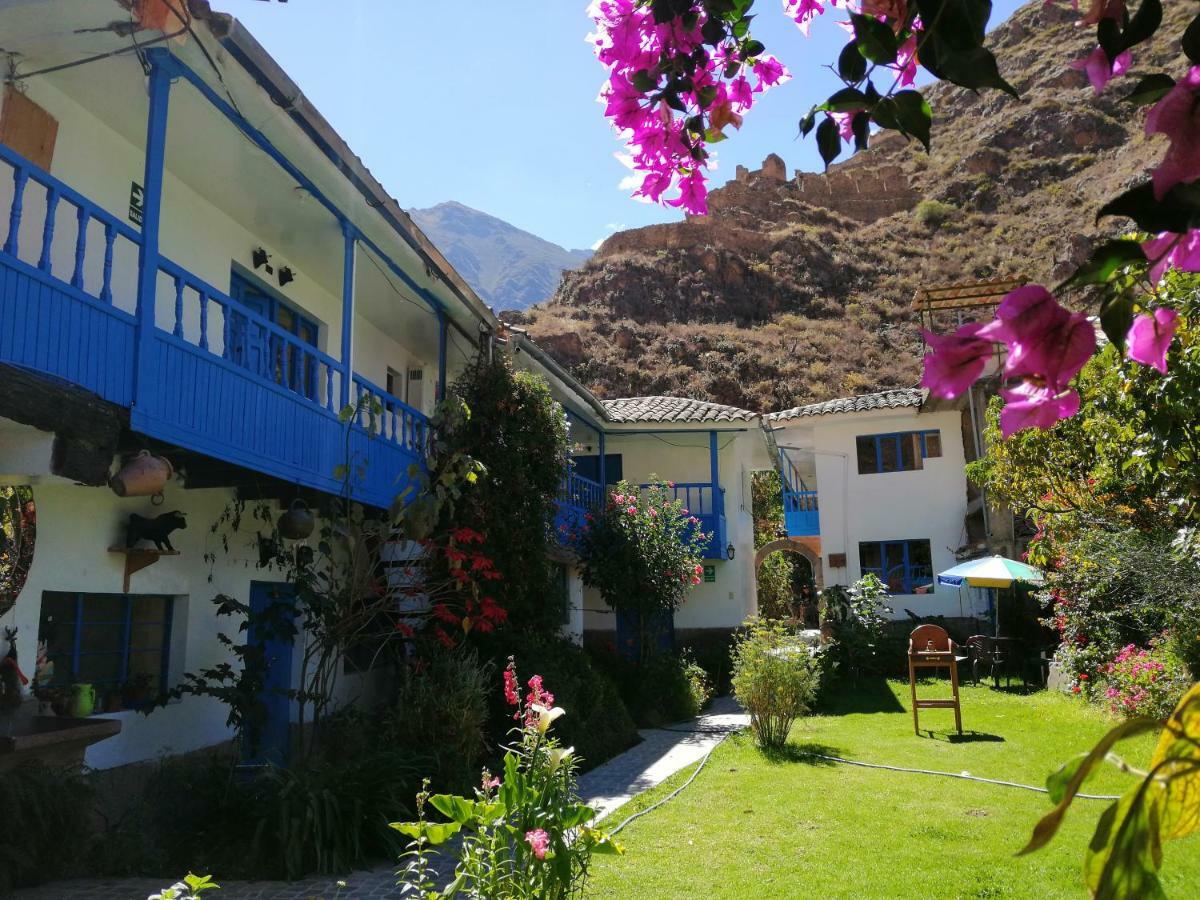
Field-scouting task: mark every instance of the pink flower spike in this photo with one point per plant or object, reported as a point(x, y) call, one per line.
point(539, 842)
point(956, 360)
point(1100, 70)
point(1030, 406)
point(1177, 115)
point(1150, 337)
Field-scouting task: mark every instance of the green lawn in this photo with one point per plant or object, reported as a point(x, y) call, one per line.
point(753, 827)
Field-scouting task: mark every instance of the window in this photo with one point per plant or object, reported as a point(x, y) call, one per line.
point(107, 640)
point(414, 390)
point(905, 567)
point(901, 451)
point(254, 347)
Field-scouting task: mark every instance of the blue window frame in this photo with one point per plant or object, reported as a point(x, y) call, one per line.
point(905, 567)
point(107, 640)
point(254, 347)
point(897, 451)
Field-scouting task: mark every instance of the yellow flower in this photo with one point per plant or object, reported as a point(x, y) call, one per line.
point(546, 716)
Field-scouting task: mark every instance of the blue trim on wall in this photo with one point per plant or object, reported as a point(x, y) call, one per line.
point(347, 308)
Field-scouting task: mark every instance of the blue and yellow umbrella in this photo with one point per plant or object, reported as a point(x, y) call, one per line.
point(990, 572)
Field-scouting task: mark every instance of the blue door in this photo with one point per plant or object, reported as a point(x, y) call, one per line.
point(659, 634)
point(272, 632)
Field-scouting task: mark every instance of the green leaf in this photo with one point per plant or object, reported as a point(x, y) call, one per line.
point(876, 40)
point(807, 123)
point(861, 126)
point(1143, 24)
point(1057, 781)
point(852, 65)
point(1191, 41)
point(1116, 315)
point(885, 115)
point(1120, 859)
point(1150, 89)
point(914, 115)
point(644, 81)
point(457, 809)
point(1178, 211)
point(975, 68)
point(434, 832)
point(845, 100)
point(346, 413)
point(1047, 827)
point(752, 48)
point(1177, 761)
point(829, 142)
point(1106, 261)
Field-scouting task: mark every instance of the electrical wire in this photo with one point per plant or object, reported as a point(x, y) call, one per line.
point(136, 47)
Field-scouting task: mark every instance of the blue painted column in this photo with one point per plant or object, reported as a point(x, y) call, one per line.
point(349, 235)
point(603, 472)
point(441, 391)
point(145, 366)
point(713, 464)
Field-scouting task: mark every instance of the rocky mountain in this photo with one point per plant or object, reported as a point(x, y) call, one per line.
point(801, 288)
point(509, 268)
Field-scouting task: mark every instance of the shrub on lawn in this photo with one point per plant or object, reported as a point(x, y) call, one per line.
point(667, 687)
point(856, 619)
point(1144, 682)
point(775, 678)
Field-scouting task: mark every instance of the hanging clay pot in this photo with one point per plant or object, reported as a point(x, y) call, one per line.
point(142, 476)
point(297, 522)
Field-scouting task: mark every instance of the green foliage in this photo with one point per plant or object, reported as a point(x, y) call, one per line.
point(1146, 682)
point(643, 553)
point(517, 433)
point(775, 678)
point(933, 213)
point(776, 577)
point(524, 833)
point(857, 619)
point(1125, 853)
point(664, 687)
point(599, 726)
point(18, 533)
point(190, 888)
point(48, 827)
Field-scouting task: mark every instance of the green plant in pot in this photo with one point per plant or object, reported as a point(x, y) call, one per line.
point(138, 690)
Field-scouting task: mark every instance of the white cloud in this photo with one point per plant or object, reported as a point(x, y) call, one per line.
point(599, 241)
point(630, 182)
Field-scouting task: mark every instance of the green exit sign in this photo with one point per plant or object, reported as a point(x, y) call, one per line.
point(710, 573)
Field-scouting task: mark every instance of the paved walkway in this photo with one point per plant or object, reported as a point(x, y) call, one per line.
point(661, 753)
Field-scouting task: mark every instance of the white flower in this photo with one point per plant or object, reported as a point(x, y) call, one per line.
point(560, 755)
point(546, 716)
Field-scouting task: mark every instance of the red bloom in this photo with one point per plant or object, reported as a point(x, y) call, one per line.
point(405, 630)
point(511, 686)
point(445, 639)
point(445, 614)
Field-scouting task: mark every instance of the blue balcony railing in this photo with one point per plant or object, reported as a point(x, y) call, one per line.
point(577, 497)
point(216, 377)
point(801, 516)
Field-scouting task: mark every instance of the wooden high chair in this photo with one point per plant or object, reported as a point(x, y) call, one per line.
point(930, 647)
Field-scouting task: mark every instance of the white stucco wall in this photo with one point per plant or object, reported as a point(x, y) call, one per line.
point(929, 503)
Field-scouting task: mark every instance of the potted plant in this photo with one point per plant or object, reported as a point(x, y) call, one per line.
point(137, 691)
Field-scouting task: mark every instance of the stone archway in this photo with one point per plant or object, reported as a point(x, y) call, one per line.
point(799, 547)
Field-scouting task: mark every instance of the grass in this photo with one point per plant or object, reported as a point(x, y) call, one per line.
point(791, 826)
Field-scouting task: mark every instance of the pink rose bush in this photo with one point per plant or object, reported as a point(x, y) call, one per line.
point(524, 833)
point(1144, 682)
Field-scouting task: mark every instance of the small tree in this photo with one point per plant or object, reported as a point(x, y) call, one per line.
point(855, 619)
point(775, 678)
point(643, 553)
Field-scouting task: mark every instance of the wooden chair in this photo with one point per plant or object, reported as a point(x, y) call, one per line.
point(930, 647)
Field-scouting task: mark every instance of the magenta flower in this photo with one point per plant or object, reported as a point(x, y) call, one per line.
point(1100, 69)
point(1030, 406)
point(1173, 251)
point(956, 361)
point(1150, 336)
point(845, 124)
point(1177, 115)
point(693, 195)
point(539, 842)
point(804, 11)
point(1044, 340)
point(770, 72)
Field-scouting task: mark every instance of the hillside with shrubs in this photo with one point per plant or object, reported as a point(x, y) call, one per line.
point(786, 295)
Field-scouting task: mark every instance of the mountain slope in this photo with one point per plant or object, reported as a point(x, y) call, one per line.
point(509, 268)
point(796, 290)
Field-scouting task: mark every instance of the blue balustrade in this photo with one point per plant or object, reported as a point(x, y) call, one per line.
point(223, 380)
point(801, 515)
point(708, 506)
point(577, 497)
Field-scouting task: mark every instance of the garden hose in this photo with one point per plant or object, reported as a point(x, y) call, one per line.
point(725, 732)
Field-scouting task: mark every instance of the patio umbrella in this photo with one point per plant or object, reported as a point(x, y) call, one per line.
point(991, 572)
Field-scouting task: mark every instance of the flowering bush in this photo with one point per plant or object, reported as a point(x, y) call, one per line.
point(1144, 682)
point(775, 678)
point(643, 553)
point(525, 834)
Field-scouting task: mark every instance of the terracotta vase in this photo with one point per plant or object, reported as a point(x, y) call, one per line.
point(142, 476)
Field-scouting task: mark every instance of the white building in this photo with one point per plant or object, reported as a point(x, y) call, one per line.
point(192, 262)
point(876, 483)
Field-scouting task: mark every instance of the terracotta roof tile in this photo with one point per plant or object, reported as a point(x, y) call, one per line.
point(895, 399)
point(673, 409)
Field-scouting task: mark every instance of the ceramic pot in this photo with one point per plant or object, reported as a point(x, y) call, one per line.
point(143, 476)
point(297, 522)
point(83, 700)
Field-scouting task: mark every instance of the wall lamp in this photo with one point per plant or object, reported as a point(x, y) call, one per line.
point(730, 551)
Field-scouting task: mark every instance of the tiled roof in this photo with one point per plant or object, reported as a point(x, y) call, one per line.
point(883, 400)
point(673, 409)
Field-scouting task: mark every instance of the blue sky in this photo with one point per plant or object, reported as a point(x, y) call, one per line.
point(493, 104)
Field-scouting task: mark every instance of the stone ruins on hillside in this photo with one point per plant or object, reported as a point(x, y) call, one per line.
point(861, 192)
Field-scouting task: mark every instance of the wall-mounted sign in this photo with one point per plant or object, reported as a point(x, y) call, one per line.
point(137, 199)
point(710, 573)
point(837, 560)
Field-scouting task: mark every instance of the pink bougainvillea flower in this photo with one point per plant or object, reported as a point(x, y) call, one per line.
point(1100, 69)
point(1150, 337)
point(1029, 405)
point(770, 72)
point(896, 10)
point(956, 361)
point(845, 124)
point(1177, 115)
point(1044, 340)
point(1173, 251)
point(804, 11)
point(538, 841)
point(905, 65)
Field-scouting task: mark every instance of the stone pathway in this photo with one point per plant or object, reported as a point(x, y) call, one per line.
point(662, 753)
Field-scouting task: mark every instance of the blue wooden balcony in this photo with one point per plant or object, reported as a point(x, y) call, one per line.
point(214, 377)
point(801, 517)
point(708, 506)
point(578, 497)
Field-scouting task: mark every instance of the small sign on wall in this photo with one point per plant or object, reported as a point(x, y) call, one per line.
point(710, 573)
point(837, 560)
point(137, 200)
